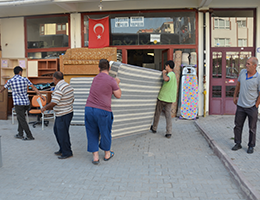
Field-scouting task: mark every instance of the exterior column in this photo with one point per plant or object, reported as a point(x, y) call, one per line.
point(75, 30)
point(207, 61)
point(200, 63)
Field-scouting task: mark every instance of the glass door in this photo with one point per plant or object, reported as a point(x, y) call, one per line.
point(225, 68)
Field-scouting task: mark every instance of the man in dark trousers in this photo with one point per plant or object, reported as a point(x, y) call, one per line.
point(61, 102)
point(248, 87)
point(21, 102)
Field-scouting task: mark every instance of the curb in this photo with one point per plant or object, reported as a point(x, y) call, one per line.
point(247, 189)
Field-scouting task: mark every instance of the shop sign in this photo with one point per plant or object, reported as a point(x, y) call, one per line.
point(258, 50)
point(121, 22)
point(155, 38)
point(137, 21)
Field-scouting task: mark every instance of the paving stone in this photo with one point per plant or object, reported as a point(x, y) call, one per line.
point(145, 166)
point(220, 129)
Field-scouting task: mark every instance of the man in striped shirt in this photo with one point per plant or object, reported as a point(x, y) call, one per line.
point(61, 102)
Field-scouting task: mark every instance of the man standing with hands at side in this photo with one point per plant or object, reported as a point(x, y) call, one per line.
point(61, 102)
point(21, 101)
point(166, 97)
point(248, 87)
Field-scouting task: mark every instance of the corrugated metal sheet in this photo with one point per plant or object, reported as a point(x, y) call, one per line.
point(81, 91)
point(134, 111)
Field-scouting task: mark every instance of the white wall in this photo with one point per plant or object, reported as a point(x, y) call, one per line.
point(12, 37)
point(75, 27)
point(0, 32)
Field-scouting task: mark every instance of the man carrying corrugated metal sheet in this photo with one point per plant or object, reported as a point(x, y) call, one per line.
point(166, 97)
point(98, 113)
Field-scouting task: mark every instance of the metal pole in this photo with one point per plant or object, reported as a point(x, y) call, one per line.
point(1, 163)
point(205, 92)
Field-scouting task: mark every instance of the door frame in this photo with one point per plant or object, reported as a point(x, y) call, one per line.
point(224, 50)
point(163, 52)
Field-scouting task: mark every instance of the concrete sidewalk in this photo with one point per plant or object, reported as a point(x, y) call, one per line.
point(218, 130)
point(145, 166)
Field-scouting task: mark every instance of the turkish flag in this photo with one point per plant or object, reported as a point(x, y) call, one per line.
point(98, 33)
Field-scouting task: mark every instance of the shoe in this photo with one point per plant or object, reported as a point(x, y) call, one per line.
point(18, 136)
point(236, 147)
point(31, 138)
point(151, 128)
point(168, 136)
point(64, 157)
point(57, 153)
point(95, 162)
point(111, 155)
point(250, 150)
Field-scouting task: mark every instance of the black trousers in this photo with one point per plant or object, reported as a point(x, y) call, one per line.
point(61, 131)
point(22, 123)
point(241, 114)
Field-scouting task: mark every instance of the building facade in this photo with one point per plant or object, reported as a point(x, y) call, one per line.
point(218, 35)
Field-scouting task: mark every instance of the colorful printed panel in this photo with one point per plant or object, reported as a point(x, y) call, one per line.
point(189, 106)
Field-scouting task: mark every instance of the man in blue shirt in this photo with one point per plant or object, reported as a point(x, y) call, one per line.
point(248, 87)
point(21, 101)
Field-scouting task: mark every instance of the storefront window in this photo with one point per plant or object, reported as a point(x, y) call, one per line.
point(47, 33)
point(46, 55)
point(232, 29)
point(149, 28)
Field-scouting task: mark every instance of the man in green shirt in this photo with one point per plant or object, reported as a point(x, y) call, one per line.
point(166, 97)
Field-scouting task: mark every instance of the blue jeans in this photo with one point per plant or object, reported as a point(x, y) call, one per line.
point(98, 122)
point(61, 131)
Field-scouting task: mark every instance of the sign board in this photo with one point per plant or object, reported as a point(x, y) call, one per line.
point(155, 37)
point(121, 22)
point(137, 21)
point(258, 50)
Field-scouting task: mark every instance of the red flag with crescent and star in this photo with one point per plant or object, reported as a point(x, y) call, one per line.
point(99, 33)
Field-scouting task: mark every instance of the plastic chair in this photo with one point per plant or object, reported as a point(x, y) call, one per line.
point(14, 114)
point(48, 114)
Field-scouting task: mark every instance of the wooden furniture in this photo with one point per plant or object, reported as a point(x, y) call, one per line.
point(41, 71)
point(3, 104)
point(83, 62)
point(8, 65)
